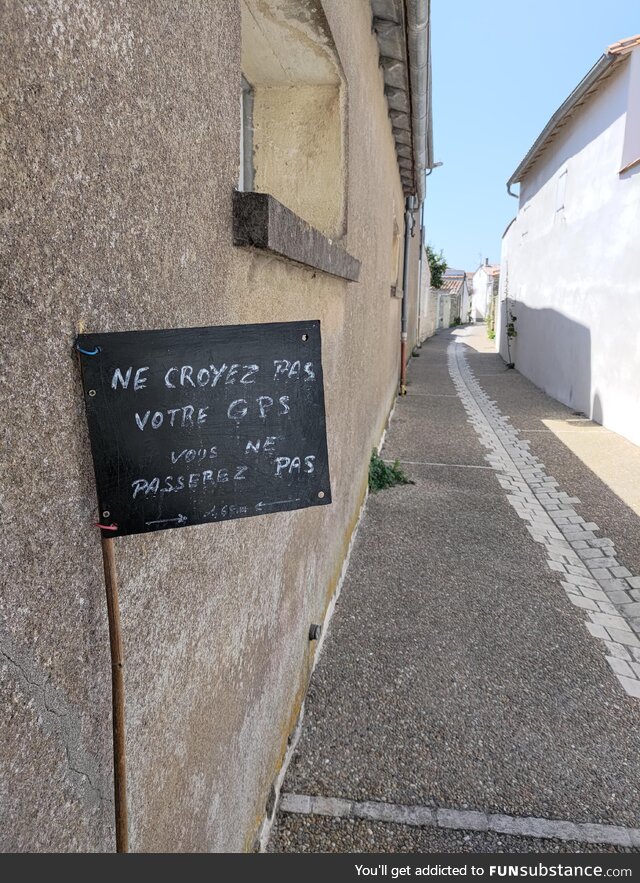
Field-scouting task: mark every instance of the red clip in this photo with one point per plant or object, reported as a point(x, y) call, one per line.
point(106, 526)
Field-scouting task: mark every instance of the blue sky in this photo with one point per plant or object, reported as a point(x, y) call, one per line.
point(500, 70)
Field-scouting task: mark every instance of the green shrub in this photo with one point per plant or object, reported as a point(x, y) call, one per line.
point(383, 475)
point(437, 267)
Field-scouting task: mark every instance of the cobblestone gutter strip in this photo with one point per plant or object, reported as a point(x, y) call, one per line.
point(463, 820)
point(590, 573)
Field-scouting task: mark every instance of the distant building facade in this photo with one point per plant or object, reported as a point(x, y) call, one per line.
point(451, 303)
point(485, 289)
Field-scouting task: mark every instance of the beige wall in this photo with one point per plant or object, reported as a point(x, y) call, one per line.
point(122, 155)
point(298, 152)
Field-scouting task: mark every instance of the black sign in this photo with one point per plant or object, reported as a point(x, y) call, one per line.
point(195, 425)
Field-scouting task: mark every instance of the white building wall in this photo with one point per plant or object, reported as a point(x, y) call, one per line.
point(464, 302)
point(426, 304)
point(571, 261)
point(443, 308)
point(481, 292)
point(432, 314)
point(447, 318)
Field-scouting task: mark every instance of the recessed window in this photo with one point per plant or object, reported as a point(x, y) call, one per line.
point(293, 108)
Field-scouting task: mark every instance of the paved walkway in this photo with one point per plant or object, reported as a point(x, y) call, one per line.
point(479, 688)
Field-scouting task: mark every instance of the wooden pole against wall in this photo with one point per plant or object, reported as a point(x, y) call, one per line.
point(117, 695)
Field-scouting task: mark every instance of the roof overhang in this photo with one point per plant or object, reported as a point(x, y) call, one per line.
point(613, 57)
point(402, 29)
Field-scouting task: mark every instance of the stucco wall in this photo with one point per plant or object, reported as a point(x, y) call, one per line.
point(432, 313)
point(426, 308)
point(122, 155)
point(465, 306)
point(298, 152)
point(481, 293)
point(444, 313)
point(414, 282)
point(573, 267)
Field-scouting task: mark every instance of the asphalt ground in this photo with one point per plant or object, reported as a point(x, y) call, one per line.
point(456, 673)
point(320, 834)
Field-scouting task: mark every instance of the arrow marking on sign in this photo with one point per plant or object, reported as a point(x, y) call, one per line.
point(260, 506)
point(179, 520)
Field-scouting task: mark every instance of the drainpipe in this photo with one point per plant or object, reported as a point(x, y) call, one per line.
point(408, 233)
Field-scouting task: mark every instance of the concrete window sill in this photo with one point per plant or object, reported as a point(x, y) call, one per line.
point(260, 221)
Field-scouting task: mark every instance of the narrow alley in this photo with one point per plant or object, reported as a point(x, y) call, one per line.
point(321, 510)
point(479, 686)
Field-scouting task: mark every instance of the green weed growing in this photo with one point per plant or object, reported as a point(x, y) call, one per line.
point(383, 475)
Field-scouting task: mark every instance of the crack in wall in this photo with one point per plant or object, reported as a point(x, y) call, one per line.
point(57, 717)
